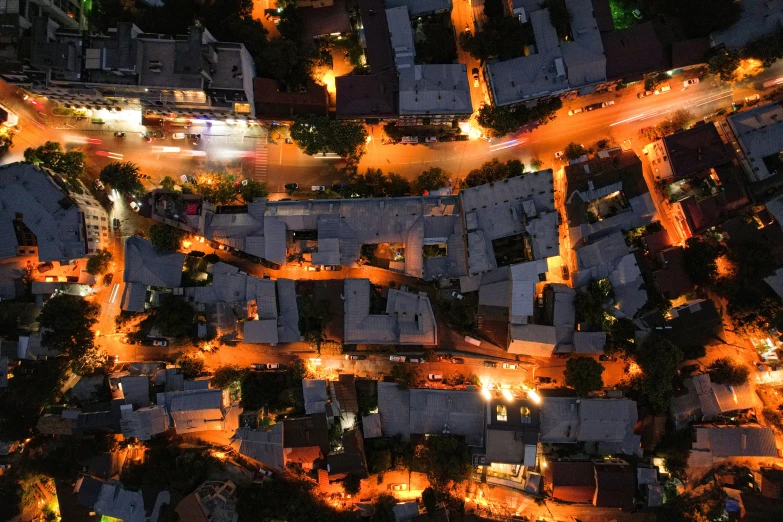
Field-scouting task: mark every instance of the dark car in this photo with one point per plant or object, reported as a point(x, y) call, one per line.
point(490, 364)
point(45, 267)
point(119, 134)
point(544, 380)
point(116, 223)
point(457, 360)
point(604, 357)
point(338, 186)
point(461, 137)
point(349, 357)
point(107, 279)
point(193, 136)
point(291, 186)
point(688, 369)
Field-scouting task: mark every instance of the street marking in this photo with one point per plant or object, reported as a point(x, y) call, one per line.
point(114, 292)
point(261, 159)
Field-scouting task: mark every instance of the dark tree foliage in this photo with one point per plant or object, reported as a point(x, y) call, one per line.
point(701, 256)
point(723, 62)
point(67, 321)
point(124, 177)
point(619, 336)
point(252, 189)
point(494, 170)
point(727, 371)
point(430, 500)
point(191, 366)
point(573, 151)
point(375, 184)
point(658, 359)
point(590, 303)
point(175, 317)
point(503, 120)
point(318, 134)
point(51, 156)
point(383, 506)
point(27, 395)
point(583, 374)
point(227, 376)
point(406, 375)
point(165, 238)
point(275, 391)
point(500, 38)
point(99, 262)
point(284, 499)
point(431, 179)
point(445, 459)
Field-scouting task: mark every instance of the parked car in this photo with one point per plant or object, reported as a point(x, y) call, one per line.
point(431, 139)
point(409, 139)
point(607, 103)
point(291, 186)
point(318, 188)
point(107, 279)
point(760, 367)
point(461, 137)
point(116, 223)
point(457, 295)
point(416, 360)
point(338, 186)
point(662, 89)
point(119, 134)
point(273, 366)
point(475, 73)
point(397, 358)
point(45, 267)
point(544, 380)
point(258, 366)
point(509, 366)
point(490, 364)
point(435, 376)
point(750, 100)
point(471, 340)
point(193, 136)
point(134, 206)
point(593, 106)
point(349, 357)
point(99, 185)
point(398, 487)
point(561, 355)
point(637, 14)
point(576, 111)
point(692, 81)
point(558, 155)
point(178, 136)
point(688, 369)
point(457, 360)
point(160, 342)
point(644, 94)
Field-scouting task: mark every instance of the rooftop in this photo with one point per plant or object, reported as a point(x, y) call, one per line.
point(735, 441)
point(759, 131)
point(273, 103)
point(144, 265)
point(697, 149)
point(435, 89)
point(759, 18)
point(421, 7)
point(261, 445)
point(706, 400)
point(565, 419)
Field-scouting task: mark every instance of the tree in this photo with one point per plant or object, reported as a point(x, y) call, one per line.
point(165, 238)
point(191, 366)
point(27, 394)
point(573, 151)
point(559, 17)
point(445, 459)
point(679, 120)
point(503, 38)
point(99, 262)
point(67, 321)
point(406, 375)
point(589, 303)
point(51, 156)
point(318, 134)
point(397, 186)
point(619, 336)
point(380, 461)
point(124, 177)
point(727, 371)
point(383, 506)
point(653, 81)
point(228, 376)
point(430, 500)
point(252, 189)
point(174, 317)
point(6, 140)
point(352, 484)
point(431, 179)
point(494, 170)
point(168, 183)
point(286, 499)
point(583, 374)
point(493, 9)
point(499, 120)
point(700, 260)
point(723, 63)
point(658, 359)
point(217, 187)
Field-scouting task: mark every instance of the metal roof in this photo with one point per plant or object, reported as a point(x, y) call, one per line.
point(263, 446)
point(315, 395)
point(144, 265)
point(732, 441)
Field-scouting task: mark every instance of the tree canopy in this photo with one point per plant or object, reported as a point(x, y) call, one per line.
point(252, 189)
point(700, 259)
point(99, 262)
point(165, 238)
point(589, 303)
point(375, 184)
point(217, 187)
point(67, 321)
point(679, 119)
point(319, 134)
point(51, 156)
point(191, 365)
point(174, 317)
point(445, 459)
point(431, 179)
point(727, 371)
point(503, 120)
point(494, 170)
point(503, 38)
point(406, 375)
point(124, 177)
point(573, 151)
point(658, 359)
point(583, 374)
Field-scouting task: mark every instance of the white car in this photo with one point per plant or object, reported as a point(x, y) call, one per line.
point(159, 343)
point(99, 185)
point(558, 154)
point(457, 295)
point(435, 377)
point(397, 358)
point(111, 196)
point(273, 366)
point(509, 366)
point(575, 111)
point(692, 81)
point(134, 206)
point(752, 99)
point(318, 188)
point(607, 103)
point(178, 136)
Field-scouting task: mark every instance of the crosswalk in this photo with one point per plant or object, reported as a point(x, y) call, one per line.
point(261, 159)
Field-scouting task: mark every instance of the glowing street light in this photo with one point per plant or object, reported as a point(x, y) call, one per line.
point(507, 394)
point(534, 396)
point(486, 393)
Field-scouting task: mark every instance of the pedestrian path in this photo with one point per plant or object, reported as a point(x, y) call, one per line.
point(261, 159)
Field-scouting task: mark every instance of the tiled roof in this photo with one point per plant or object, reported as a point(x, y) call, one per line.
point(146, 266)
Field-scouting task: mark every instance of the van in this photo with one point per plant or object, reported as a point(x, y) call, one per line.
point(471, 340)
point(435, 376)
point(410, 139)
point(397, 358)
point(318, 188)
point(178, 136)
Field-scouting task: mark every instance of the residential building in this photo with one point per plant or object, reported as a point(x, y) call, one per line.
point(263, 446)
point(510, 221)
point(691, 324)
point(418, 8)
point(670, 275)
point(557, 64)
point(146, 269)
point(421, 411)
point(344, 399)
point(212, 500)
point(195, 411)
point(315, 397)
point(716, 444)
point(702, 177)
point(606, 193)
point(134, 389)
point(510, 440)
point(350, 459)
point(609, 483)
point(615, 484)
point(306, 440)
point(607, 424)
point(759, 18)
point(758, 132)
point(111, 501)
point(633, 52)
point(143, 423)
point(409, 318)
point(272, 104)
point(190, 75)
point(705, 400)
point(45, 215)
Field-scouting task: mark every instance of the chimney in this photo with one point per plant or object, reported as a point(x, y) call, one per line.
point(744, 441)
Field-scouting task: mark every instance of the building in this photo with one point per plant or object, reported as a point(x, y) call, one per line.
point(707, 401)
point(272, 104)
point(418, 8)
point(43, 214)
point(759, 138)
point(633, 52)
point(421, 412)
point(702, 176)
point(759, 18)
point(306, 440)
point(143, 423)
point(263, 446)
point(606, 423)
point(615, 484)
point(212, 500)
point(350, 459)
point(145, 269)
point(510, 440)
point(510, 221)
point(195, 411)
point(606, 193)
point(129, 71)
point(315, 397)
point(409, 318)
point(557, 65)
point(609, 483)
point(715, 444)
